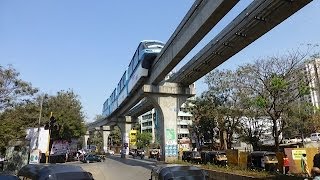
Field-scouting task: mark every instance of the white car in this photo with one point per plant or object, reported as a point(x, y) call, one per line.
point(315, 137)
point(111, 152)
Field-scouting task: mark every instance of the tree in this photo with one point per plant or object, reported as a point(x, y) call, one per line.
point(224, 92)
point(67, 110)
point(204, 123)
point(115, 136)
point(143, 140)
point(276, 83)
point(15, 121)
point(97, 139)
point(13, 90)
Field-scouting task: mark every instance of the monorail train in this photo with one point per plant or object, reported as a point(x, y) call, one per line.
point(135, 74)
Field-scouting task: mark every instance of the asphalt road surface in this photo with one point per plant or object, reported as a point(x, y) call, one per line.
point(116, 168)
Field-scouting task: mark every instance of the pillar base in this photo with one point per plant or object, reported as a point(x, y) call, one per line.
point(171, 159)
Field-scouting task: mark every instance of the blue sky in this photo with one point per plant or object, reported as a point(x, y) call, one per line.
point(86, 45)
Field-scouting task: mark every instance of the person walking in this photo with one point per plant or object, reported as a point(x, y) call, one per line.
point(304, 165)
point(285, 164)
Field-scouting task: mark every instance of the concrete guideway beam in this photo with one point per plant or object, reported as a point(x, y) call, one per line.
point(143, 107)
point(200, 19)
point(256, 20)
point(168, 107)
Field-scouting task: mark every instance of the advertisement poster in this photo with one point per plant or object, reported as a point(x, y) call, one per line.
point(297, 154)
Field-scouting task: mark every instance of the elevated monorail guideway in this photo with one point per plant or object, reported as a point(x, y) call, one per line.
point(200, 19)
point(256, 20)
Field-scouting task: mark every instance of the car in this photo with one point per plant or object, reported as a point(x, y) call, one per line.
point(111, 152)
point(178, 171)
point(315, 136)
point(91, 158)
point(8, 176)
point(53, 172)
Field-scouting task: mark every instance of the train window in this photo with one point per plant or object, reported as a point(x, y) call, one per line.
point(130, 68)
point(135, 60)
point(141, 47)
point(154, 45)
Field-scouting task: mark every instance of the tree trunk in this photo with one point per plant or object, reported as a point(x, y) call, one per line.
point(223, 140)
point(275, 135)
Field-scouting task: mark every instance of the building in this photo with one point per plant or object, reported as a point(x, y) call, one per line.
point(149, 123)
point(312, 70)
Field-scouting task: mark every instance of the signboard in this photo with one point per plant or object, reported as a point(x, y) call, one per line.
point(171, 150)
point(297, 154)
point(171, 137)
point(34, 156)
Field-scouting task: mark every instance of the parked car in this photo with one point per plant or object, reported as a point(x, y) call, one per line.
point(8, 176)
point(91, 158)
point(177, 171)
point(263, 160)
point(111, 152)
point(315, 136)
point(53, 172)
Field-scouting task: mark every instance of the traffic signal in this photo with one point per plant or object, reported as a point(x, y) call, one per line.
point(52, 124)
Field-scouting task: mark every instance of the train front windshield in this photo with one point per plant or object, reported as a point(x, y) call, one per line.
point(153, 45)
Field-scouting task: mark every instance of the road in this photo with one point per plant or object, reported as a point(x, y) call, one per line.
point(117, 168)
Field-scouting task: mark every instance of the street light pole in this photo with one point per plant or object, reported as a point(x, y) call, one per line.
point(39, 121)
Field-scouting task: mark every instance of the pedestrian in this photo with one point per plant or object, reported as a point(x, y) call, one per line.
point(304, 165)
point(285, 164)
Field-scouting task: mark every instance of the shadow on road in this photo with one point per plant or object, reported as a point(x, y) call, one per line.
point(146, 163)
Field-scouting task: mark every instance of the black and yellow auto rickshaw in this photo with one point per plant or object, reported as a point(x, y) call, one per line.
point(263, 160)
point(220, 158)
point(214, 157)
point(186, 155)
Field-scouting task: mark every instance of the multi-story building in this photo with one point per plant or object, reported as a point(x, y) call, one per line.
point(312, 70)
point(149, 123)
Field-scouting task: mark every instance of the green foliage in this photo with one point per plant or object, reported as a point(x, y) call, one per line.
point(14, 121)
point(13, 90)
point(97, 139)
point(115, 136)
point(261, 102)
point(67, 110)
point(143, 140)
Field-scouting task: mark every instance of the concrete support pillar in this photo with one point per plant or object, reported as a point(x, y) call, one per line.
point(125, 126)
point(86, 137)
point(105, 134)
point(168, 107)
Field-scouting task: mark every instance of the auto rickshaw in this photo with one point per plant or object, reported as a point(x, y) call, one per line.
point(206, 157)
point(220, 158)
point(262, 160)
point(195, 157)
point(154, 153)
point(186, 156)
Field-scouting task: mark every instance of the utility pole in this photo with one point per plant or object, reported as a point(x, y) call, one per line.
point(39, 121)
